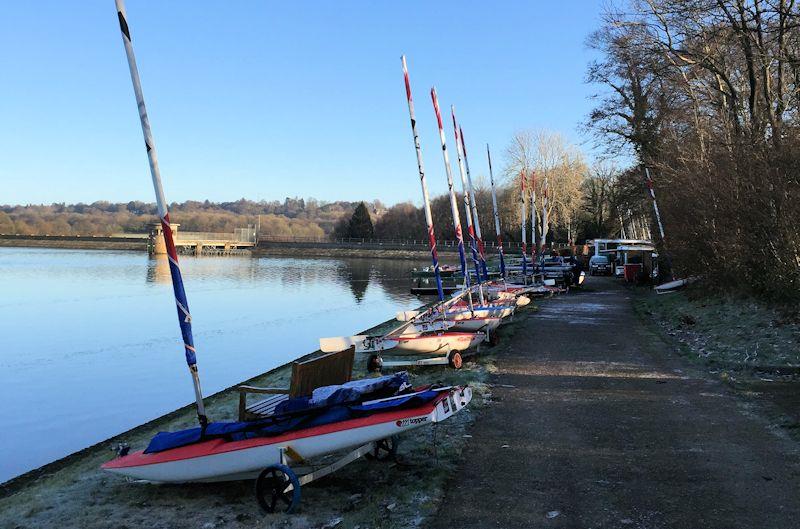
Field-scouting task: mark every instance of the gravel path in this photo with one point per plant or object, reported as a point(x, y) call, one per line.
point(595, 423)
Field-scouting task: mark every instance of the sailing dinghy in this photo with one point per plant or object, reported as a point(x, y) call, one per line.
point(362, 416)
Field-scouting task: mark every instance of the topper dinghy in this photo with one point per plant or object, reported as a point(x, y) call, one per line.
point(235, 451)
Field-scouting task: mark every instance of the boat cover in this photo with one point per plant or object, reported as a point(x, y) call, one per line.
point(326, 405)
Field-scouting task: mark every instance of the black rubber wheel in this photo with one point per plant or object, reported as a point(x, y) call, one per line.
point(374, 363)
point(454, 360)
point(494, 339)
point(270, 489)
point(386, 449)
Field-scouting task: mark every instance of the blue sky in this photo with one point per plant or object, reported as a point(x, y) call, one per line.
point(265, 100)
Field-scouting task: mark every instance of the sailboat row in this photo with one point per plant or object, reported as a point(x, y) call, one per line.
point(325, 411)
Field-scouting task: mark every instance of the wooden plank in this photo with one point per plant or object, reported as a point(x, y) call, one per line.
point(326, 370)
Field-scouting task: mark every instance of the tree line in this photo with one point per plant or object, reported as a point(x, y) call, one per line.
point(705, 93)
point(583, 201)
point(294, 217)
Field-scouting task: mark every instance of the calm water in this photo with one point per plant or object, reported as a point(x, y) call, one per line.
point(89, 341)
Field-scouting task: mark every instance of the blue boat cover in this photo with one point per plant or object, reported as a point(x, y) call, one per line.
point(332, 404)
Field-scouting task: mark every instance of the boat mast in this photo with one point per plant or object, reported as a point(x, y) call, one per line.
point(473, 243)
point(496, 216)
point(545, 217)
point(184, 317)
point(453, 201)
point(425, 197)
point(524, 226)
point(534, 218)
point(478, 236)
point(649, 182)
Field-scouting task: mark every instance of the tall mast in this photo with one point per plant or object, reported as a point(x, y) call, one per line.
point(545, 216)
point(473, 242)
point(478, 236)
point(534, 218)
point(184, 318)
point(634, 228)
point(453, 201)
point(496, 216)
point(524, 225)
point(425, 197)
point(649, 182)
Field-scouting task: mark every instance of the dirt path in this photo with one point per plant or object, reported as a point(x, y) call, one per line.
point(596, 424)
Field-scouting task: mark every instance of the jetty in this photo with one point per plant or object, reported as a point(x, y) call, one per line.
point(202, 243)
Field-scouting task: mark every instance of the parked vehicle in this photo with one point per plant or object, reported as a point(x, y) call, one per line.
point(600, 265)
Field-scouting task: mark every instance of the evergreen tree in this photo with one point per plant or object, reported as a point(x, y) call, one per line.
point(360, 225)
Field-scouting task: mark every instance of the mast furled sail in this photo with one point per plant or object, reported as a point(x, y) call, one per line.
point(545, 217)
point(473, 241)
point(184, 317)
point(649, 182)
point(425, 197)
point(478, 236)
point(496, 216)
point(534, 218)
point(453, 202)
point(524, 224)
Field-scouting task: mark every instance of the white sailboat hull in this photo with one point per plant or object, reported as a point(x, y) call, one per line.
point(219, 460)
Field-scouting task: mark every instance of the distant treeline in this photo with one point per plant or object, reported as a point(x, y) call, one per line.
point(583, 202)
point(294, 217)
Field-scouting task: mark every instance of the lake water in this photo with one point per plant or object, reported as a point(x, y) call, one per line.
point(90, 346)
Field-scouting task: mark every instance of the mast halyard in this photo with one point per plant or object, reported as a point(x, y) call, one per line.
point(184, 317)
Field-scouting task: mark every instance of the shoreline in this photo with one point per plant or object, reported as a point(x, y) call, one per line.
point(17, 483)
point(133, 244)
point(356, 495)
point(75, 243)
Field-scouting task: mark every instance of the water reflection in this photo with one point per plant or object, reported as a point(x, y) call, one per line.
point(158, 269)
point(111, 327)
point(389, 275)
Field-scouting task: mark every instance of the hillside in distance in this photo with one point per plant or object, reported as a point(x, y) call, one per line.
point(296, 217)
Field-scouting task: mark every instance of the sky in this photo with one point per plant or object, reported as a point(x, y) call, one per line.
point(264, 100)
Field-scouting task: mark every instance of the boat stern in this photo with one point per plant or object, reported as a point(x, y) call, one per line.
point(456, 399)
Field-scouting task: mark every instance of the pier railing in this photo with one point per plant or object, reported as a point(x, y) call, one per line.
point(238, 235)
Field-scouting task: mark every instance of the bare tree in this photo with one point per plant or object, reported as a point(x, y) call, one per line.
point(547, 157)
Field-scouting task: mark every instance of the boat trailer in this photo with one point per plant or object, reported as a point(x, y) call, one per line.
point(278, 486)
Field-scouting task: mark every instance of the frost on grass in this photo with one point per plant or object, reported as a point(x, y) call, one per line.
point(728, 331)
point(364, 494)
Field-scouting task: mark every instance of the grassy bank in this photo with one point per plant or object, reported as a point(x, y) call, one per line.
point(729, 332)
point(87, 244)
point(74, 492)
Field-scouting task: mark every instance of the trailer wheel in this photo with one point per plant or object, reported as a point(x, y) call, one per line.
point(386, 449)
point(454, 360)
point(374, 363)
point(270, 489)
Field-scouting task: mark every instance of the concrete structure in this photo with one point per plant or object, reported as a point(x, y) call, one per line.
point(200, 242)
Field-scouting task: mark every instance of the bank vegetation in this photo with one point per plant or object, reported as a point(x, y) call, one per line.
point(705, 93)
